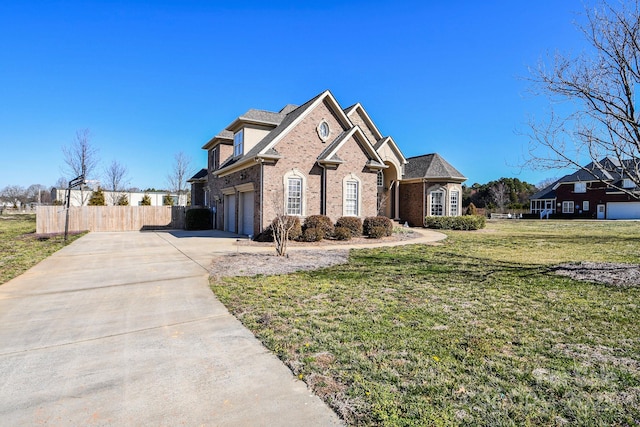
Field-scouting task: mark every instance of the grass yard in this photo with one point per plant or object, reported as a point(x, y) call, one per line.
point(20, 248)
point(476, 331)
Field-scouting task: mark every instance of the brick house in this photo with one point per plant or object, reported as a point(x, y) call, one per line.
point(317, 158)
point(594, 191)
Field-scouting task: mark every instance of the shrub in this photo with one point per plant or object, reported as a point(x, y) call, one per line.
point(146, 200)
point(377, 221)
point(465, 222)
point(377, 232)
point(351, 223)
point(123, 200)
point(198, 219)
point(265, 236)
point(322, 222)
point(97, 198)
point(312, 234)
point(293, 223)
point(343, 233)
point(167, 200)
point(472, 210)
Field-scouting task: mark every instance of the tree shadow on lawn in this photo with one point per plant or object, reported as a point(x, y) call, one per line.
point(442, 266)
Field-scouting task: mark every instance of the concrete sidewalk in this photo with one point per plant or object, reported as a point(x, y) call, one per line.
point(122, 329)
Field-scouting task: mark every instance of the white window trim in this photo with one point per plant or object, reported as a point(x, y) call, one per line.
point(444, 195)
point(380, 178)
point(295, 173)
point(351, 178)
point(238, 143)
point(455, 212)
point(579, 187)
point(322, 137)
point(568, 207)
point(585, 205)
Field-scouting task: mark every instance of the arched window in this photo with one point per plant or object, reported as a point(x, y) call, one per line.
point(294, 193)
point(380, 179)
point(437, 203)
point(351, 196)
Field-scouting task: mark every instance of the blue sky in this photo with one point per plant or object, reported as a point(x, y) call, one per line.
point(152, 78)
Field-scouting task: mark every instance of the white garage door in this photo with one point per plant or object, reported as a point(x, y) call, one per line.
point(246, 216)
point(623, 210)
point(230, 213)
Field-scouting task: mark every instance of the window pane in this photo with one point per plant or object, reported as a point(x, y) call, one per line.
point(351, 198)
point(454, 203)
point(380, 179)
point(437, 208)
point(294, 196)
point(238, 140)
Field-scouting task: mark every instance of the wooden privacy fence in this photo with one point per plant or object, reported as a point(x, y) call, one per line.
point(51, 219)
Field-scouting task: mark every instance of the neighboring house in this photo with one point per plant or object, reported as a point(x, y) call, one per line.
point(58, 195)
point(317, 158)
point(590, 193)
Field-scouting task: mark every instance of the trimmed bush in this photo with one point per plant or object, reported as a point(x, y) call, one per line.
point(312, 234)
point(322, 222)
point(377, 232)
point(377, 221)
point(472, 210)
point(342, 233)
point(198, 219)
point(294, 222)
point(265, 236)
point(465, 222)
point(351, 223)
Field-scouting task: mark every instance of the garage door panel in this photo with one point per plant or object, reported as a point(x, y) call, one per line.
point(247, 213)
point(623, 210)
point(230, 213)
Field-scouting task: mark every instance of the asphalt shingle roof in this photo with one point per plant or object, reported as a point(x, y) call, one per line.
point(430, 166)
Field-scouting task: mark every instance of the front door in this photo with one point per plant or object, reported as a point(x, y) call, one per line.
point(601, 212)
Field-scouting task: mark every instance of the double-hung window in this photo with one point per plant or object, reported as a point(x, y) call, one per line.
point(567, 207)
point(238, 143)
point(437, 203)
point(294, 196)
point(351, 198)
point(453, 206)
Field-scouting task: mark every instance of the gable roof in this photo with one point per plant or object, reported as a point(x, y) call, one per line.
point(201, 175)
point(330, 154)
point(430, 166)
point(394, 147)
point(288, 122)
point(374, 129)
point(549, 192)
point(224, 137)
point(595, 171)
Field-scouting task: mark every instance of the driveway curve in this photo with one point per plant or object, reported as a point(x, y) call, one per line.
point(122, 329)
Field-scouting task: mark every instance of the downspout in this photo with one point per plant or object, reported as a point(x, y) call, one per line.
point(424, 203)
point(323, 190)
point(261, 161)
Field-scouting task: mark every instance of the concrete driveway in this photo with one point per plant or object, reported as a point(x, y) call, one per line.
point(122, 329)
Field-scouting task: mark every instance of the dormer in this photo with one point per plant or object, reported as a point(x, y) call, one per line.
point(251, 127)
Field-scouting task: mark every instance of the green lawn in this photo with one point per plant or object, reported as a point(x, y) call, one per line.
point(20, 248)
point(476, 331)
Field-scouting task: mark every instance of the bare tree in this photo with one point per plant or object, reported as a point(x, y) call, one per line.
point(499, 195)
point(177, 179)
point(599, 117)
point(14, 194)
point(80, 158)
point(36, 193)
point(116, 180)
point(282, 224)
point(546, 182)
